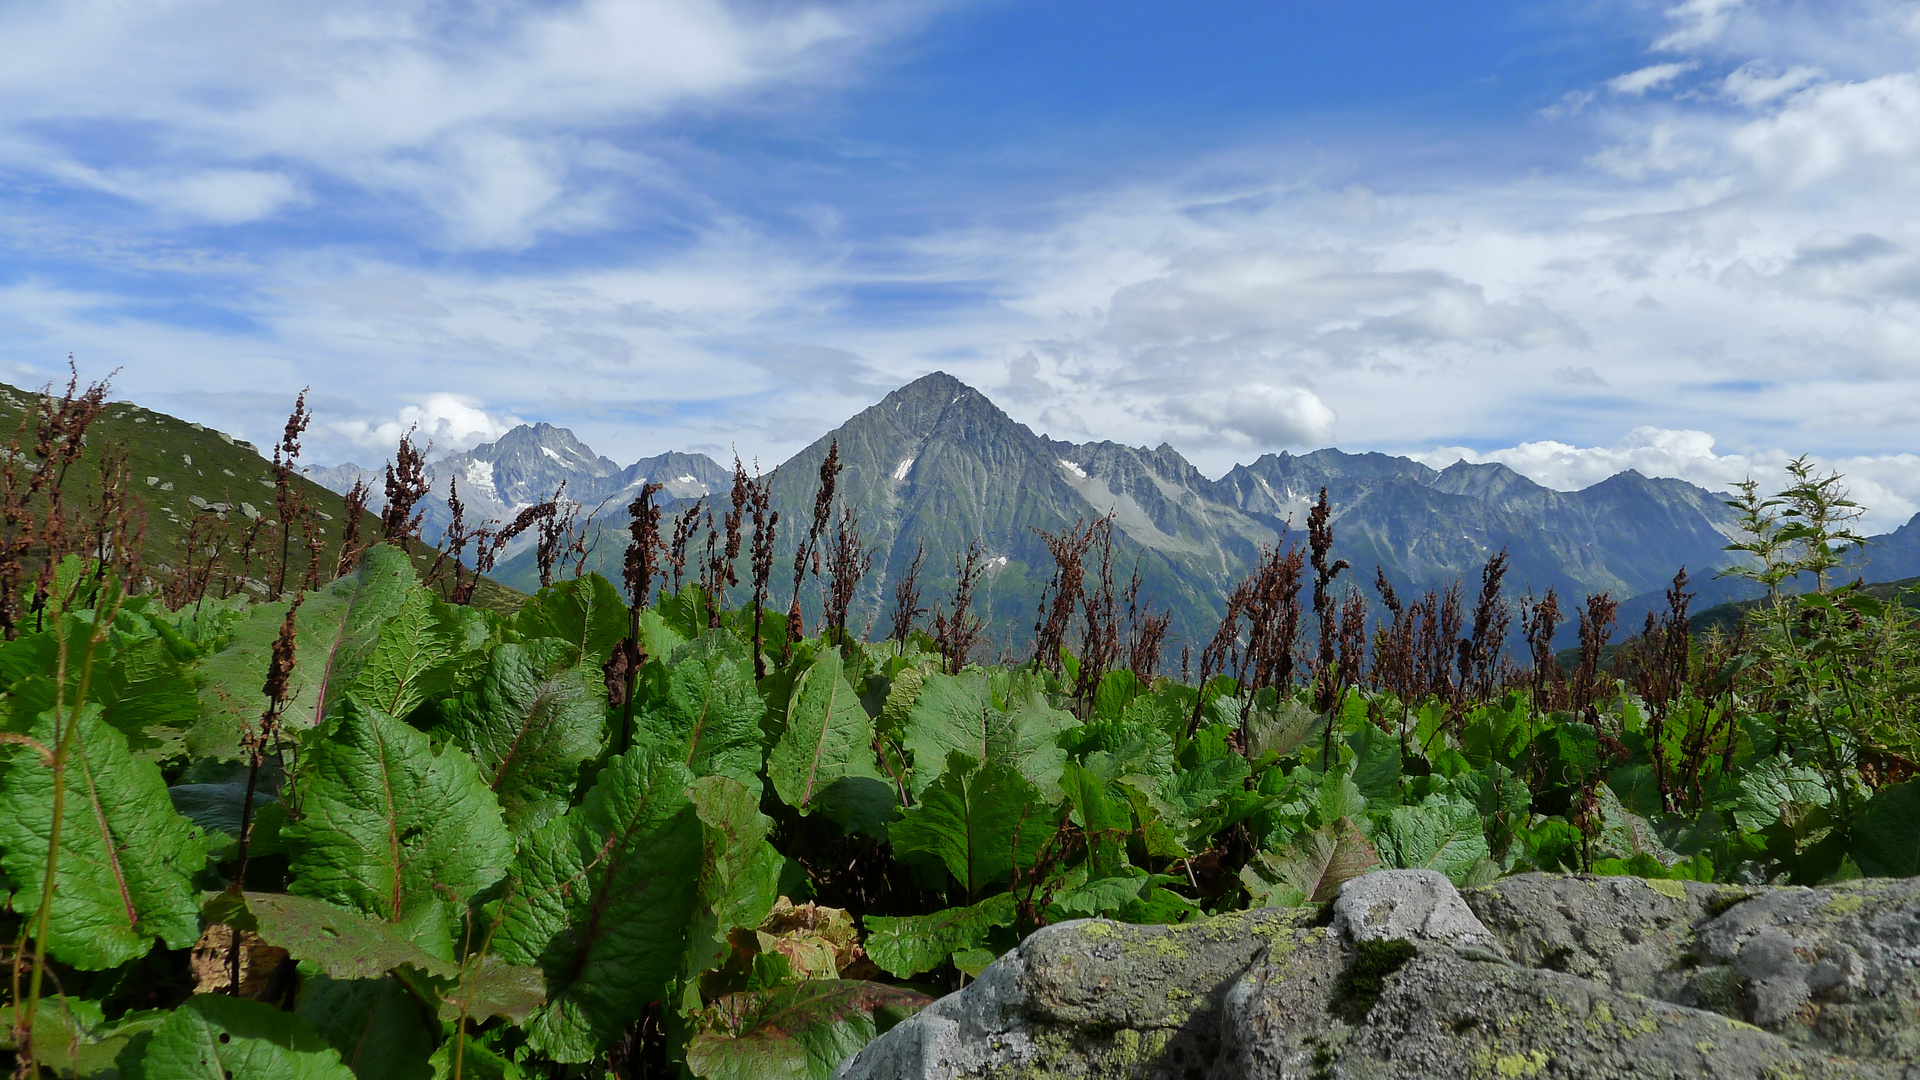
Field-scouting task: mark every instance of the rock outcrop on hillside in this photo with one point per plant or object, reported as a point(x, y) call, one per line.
point(1540, 975)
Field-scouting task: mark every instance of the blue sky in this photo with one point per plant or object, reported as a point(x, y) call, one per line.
point(1574, 237)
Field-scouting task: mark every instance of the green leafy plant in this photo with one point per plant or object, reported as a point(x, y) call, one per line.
point(366, 830)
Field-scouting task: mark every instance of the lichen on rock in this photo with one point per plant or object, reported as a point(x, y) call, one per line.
point(1539, 975)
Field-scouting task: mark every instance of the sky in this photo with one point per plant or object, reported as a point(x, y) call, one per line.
point(1574, 237)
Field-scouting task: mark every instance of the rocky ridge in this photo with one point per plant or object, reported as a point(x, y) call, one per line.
point(936, 464)
point(1539, 975)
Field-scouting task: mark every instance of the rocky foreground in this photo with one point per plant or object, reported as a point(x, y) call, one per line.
point(1541, 975)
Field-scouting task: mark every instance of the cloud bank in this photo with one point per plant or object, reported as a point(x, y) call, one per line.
point(523, 210)
point(442, 424)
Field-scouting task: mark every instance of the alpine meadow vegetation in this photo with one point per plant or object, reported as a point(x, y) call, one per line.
point(298, 805)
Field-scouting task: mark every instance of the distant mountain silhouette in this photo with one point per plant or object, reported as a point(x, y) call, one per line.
point(937, 463)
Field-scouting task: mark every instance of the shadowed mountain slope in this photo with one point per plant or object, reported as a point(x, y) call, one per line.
point(937, 463)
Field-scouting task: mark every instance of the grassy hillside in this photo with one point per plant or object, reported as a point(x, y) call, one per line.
point(182, 472)
point(1727, 617)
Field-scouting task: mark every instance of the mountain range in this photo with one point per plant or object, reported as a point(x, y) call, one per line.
point(529, 464)
point(936, 463)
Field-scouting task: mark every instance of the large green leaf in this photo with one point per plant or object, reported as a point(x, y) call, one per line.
point(336, 632)
point(958, 713)
point(798, 1032)
point(657, 637)
point(710, 710)
point(827, 737)
point(215, 1037)
point(1277, 726)
point(1886, 838)
point(1771, 787)
point(344, 944)
point(739, 869)
point(476, 1061)
point(1312, 868)
point(1104, 814)
point(348, 946)
point(137, 680)
point(903, 692)
point(1439, 834)
point(416, 655)
point(125, 856)
point(534, 718)
point(395, 827)
point(587, 613)
point(1201, 795)
point(73, 1037)
point(1376, 764)
point(981, 821)
point(601, 900)
point(377, 1027)
point(906, 946)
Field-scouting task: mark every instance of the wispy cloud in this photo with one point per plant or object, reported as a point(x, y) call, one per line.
point(1719, 239)
point(1637, 83)
point(495, 120)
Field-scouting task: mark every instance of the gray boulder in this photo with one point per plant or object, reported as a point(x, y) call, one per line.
point(1534, 976)
point(1409, 905)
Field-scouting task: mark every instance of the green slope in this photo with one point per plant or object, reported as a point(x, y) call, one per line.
point(181, 471)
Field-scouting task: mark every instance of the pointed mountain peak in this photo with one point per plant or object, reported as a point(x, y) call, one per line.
point(934, 384)
point(923, 409)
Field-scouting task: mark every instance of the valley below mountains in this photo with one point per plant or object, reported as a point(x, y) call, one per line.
point(937, 464)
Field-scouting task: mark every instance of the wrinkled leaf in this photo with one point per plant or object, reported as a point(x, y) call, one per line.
point(1770, 787)
point(415, 656)
point(215, 1037)
point(342, 943)
point(957, 713)
point(601, 900)
point(394, 827)
point(375, 1025)
point(587, 613)
point(1105, 817)
point(535, 717)
point(1376, 763)
point(336, 631)
point(476, 1061)
point(827, 736)
point(799, 1032)
point(710, 710)
point(906, 946)
point(125, 856)
point(981, 821)
point(1278, 726)
point(1103, 897)
point(73, 1037)
point(1439, 834)
point(1317, 863)
point(739, 869)
point(346, 945)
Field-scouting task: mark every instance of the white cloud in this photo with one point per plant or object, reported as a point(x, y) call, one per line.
point(1887, 485)
point(1258, 415)
point(1743, 261)
point(1701, 23)
point(1867, 130)
point(1637, 83)
point(1753, 85)
point(449, 422)
point(497, 117)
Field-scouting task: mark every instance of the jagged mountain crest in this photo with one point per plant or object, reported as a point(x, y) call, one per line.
point(528, 464)
point(937, 464)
